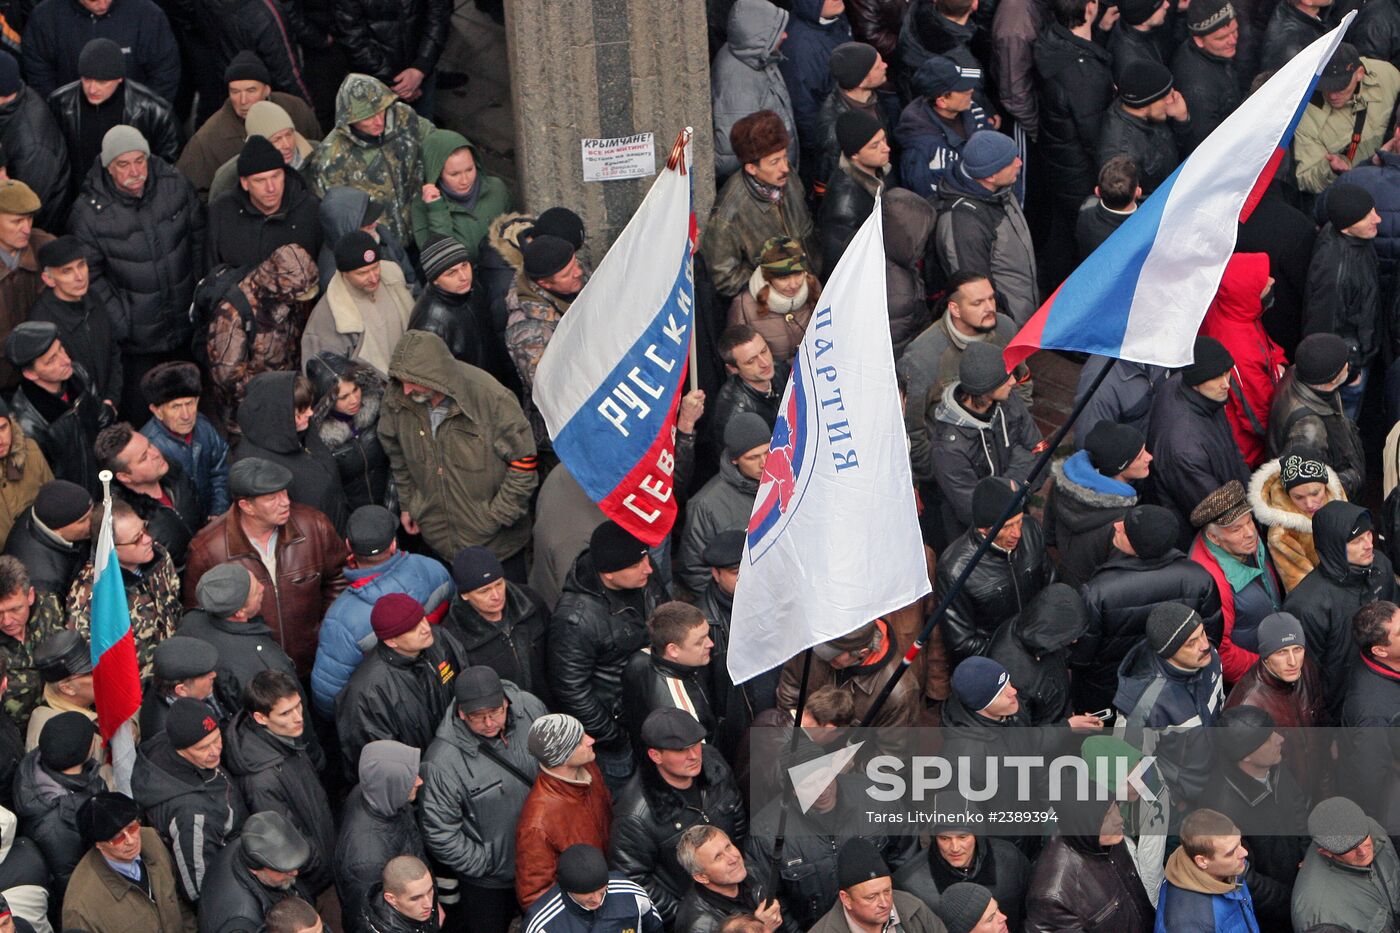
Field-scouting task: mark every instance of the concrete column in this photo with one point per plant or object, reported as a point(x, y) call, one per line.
point(601, 69)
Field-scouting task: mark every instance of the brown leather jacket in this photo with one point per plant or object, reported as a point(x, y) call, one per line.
point(1296, 706)
point(309, 562)
point(557, 814)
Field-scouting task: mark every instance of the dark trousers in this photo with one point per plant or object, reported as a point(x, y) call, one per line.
point(481, 910)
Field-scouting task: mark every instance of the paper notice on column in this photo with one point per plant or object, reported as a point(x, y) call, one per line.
point(619, 158)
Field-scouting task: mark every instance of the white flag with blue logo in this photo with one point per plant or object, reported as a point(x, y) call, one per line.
point(833, 541)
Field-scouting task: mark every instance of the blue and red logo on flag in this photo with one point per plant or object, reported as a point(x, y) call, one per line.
point(788, 469)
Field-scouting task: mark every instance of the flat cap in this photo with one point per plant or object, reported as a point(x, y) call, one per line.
point(18, 198)
point(1222, 506)
point(725, 549)
point(62, 655)
point(371, 530)
point(477, 688)
point(224, 589)
point(269, 840)
point(257, 477)
point(181, 657)
point(29, 341)
point(671, 729)
point(1338, 825)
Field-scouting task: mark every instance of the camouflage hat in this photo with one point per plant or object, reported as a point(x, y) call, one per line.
point(782, 256)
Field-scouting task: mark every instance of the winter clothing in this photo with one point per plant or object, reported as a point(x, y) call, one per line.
point(172, 525)
point(1034, 648)
point(626, 906)
point(235, 26)
point(309, 557)
point(470, 802)
point(1075, 81)
point(1288, 32)
point(984, 231)
point(342, 210)
point(36, 154)
point(1328, 891)
point(558, 812)
point(1233, 318)
point(997, 865)
point(1290, 535)
point(1076, 883)
point(376, 825)
point(484, 435)
point(651, 815)
point(242, 235)
point(809, 44)
point(383, 37)
point(47, 803)
point(145, 254)
point(58, 29)
point(862, 682)
point(466, 325)
point(928, 147)
point(245, 648)
point(781, 321)
point(850, 197)
point(1344, 296)
point(1243, 605)
point(1080, 511)
point(513, 647)
point(282, 775)
point(1305, 417)
point(353, 442)
point(52, 562)
point(1193, 448)
point(1002, 585)
point(196, 812)
point(85, 330)
point(908, 223)
point(742, 222)
point(98, 898)
point(269, 341)
point(346, 636)
point(744, 77)
point(22, 471)
point(966, 447)
point(152, 597)
point(388, 169)
point(203, 458)
point(1211, 87)
point(723, 503)
point(1324, 129)
point(222, 135)
point(234, 900)
point(137, 106)
point(1156, 694)
point(467, 217)
point(650, 683)
point(1192, 899)
point(64, 425)
point(1119, 597)
point(1151, 146)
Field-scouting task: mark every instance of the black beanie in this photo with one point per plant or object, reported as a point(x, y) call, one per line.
point(614, 548)
point(854, 129)
point(355, 250)
point(66, 741)
point(1169, 626)
point(1112, 447)
point(188, 723)
point(1144, 82)
point(259, 156)
point(850, 62)
point(1209, 359)
point(582, 869)
point(990, 498)
point(560, 222)
point(61, 503)
point(246, 66)
point(1347, 204)
point(546, 255)
point(1240, 731)
point(1137, 12)
point(857, 862)
point(1319, 358)
point(101, 60)
point(961, 906)
point(1152, 530)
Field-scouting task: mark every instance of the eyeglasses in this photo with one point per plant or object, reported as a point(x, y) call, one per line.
point(483, 716)
point(143, 536)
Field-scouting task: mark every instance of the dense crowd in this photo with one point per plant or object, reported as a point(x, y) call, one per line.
point(400, 674)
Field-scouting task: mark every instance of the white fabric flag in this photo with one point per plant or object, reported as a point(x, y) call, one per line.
point(833, 541)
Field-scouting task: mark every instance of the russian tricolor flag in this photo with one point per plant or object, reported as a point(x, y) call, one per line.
point(116, 679)
point(610, 381)
point(1141, 295)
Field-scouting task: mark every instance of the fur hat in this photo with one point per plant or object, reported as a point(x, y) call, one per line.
point(757, 135)
point(169, 381)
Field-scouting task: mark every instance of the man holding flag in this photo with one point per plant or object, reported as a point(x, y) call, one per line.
point(115, 678)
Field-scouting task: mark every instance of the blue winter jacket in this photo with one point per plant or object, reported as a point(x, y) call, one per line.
point(1182, 910)
point(346, 633)
point(204, 460)
point(927, 148)
point(804, 66)
point(1153, 694)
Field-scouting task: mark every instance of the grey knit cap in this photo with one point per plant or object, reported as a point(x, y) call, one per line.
point(121, 139)
point(553, 738)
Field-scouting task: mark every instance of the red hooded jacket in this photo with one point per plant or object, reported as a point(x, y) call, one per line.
point(1233, 319)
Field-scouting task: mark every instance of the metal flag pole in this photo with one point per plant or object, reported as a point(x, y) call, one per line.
point(1012, 508)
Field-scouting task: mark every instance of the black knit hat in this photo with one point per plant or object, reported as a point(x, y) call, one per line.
point(1169, 626)
point(1113, 447)
point(990, 497)
point(546, 255)
point(355, 250)
point(850, 62)
point(1144, 82)
point(961, 906)
point(101, 60)
point(1240, 731)
point(1209, 359)
point(61, 503)
point(560, 222)
point(1152, 530)
point(1319, 358)
point(1137, 12)
point(582, 869)
point(613, 548)
point(1347, 204)
point(258, 156)
point(66, 741)
point(854, 130)
point(246, 66)
point(188, 723)
point(1206, 16)
point(475, 567)
point(982, 369)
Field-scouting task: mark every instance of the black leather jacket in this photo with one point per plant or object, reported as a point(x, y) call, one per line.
point(1211, 88)
point(51, 566)
point(383, 37)
point(1152, 146)
point(514, 647)
point(1077, 884)
point(1289, 32)
point(591, 636)
point(391, 696)
point(464, 324)
point(142, 108)
point(175, 525)
point(844, 208)
point(67, 439)
point(648, 683)
point(37, 155)
point(650, 816)
point(1000, 586)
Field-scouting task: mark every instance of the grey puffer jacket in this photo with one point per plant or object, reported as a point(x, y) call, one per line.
point(744, 77)
point(470, 802)
point(723, 503)
point(966, 448)
point(985, 231)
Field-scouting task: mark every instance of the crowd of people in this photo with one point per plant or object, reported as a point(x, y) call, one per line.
point(400, 674)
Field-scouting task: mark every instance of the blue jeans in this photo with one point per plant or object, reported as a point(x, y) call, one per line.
point(1353, 394)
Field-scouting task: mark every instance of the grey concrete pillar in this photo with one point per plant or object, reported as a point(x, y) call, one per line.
point(584, 69)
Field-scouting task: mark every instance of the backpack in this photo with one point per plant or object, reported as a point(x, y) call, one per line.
point(220, 285)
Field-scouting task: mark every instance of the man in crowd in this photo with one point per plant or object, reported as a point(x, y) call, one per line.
point(1351, 876)
point(1204, 69)
point(754, 383)
point(1136, 125)
point(84, 325)
point(20, 275)
point(726, 500)
point(586, 893)
point(1292, 27)
point(721, 884)
point(56, 403)
point(252, 873)
point(1093, 489)
point(181, 667)
point(36, 158)
point(51, 538)
point(938, 123)
point(404, 898)
point(1308, 412)
point(673, 673)
point(1115, 198)
point(868, 901)
point(744, 77)
point(303, 576)
point(852, 187)
point(1205, 877)
point(55, 37)
point(1330, 139)
point(377, 823)
point(271, 207)
point(364, 310)
point(27, 619)
point(183, 434)
point(499, 624)
point(159, 491)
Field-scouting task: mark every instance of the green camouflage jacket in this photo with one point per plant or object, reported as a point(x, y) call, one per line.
point(153, 598)
point(26, 688)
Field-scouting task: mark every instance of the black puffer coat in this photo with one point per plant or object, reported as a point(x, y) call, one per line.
point(284, 776)
point(1119, 598)
point(242, 235)
point(514, 647)
point(37, 155)
point(1001, 585)
point(591, 636)
point(1329, 596)
point(269, 432)
point(142, 108)
point(145, 254)
point(1211, 87)
point(383, 37)
point(1034, 649)
point(1076, 89)
point(51, 566)
point(195, 811)
point(1151, 146)
point(47, 802)
point(391, 696)
point(353, 442)
point(650, 816)
point(175, 525)
point(64, 432)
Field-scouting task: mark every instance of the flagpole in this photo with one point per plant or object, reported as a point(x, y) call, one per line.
point(122, 746)
point(1012, 508)
point(775, 869)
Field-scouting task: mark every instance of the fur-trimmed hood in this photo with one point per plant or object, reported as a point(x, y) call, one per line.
point(504, 237)
point(18, 456)
point(1271, 504)
point(332, 431)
